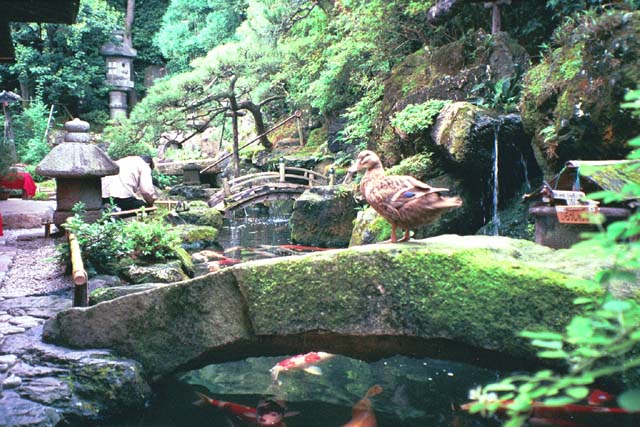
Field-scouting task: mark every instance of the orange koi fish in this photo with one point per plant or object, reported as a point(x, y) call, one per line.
point(362, 414)
point(591, 414)
point(267, 413)
point(301, 362)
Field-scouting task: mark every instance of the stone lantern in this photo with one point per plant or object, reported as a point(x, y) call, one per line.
point(78, 168)
point(119, 59)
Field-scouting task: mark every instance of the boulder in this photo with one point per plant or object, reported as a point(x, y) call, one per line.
point(323, 217)
point(370, 301)
point(166, 272)
point(444, 73)
point(42, 384)
point(106, 294)
point(571, 99)
point(199, 213)
point(195, 237)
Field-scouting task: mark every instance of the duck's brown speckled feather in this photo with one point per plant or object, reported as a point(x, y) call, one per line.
point(402, 200)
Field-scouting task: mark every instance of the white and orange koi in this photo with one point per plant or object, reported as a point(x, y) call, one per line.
point(302, 362)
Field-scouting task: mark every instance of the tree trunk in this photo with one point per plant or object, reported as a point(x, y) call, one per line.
point(128, 23)
point(259, 121)
point(236, 148)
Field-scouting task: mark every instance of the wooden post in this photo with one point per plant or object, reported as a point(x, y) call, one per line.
point(225, 186)
point(300, 134)
point(310, 178)
point(281, 169)
point(332, 176)
point(495, 17)
point(78, 274)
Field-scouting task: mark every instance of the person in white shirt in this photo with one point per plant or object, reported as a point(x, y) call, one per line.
point(133, 187)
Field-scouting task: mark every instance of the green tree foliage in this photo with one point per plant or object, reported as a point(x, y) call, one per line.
point(62, 62)
point(232, 77)
point(190, 28)
point(603, 341)
point(29, 128)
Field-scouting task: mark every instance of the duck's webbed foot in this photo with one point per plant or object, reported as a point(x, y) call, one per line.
point(393, 238)
point(406, 237)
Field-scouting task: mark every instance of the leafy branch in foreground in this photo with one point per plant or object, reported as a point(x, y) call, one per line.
point(601, 342)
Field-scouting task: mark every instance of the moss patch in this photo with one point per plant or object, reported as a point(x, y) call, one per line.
point(477, 296)
point(570, 101)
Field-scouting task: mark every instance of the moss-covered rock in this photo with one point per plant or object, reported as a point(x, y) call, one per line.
point(369, 227)
point(571, 100)
point(200, 214)
point(479, 291)
point(453, 127)
point(185, 260)
point(195, 237)
point(475, 291)
point(168, 272)
point(323, 217)
point(317, 137)
point(450, 72)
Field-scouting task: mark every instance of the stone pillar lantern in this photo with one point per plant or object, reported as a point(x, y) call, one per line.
point(119, 59)
point(78, 168)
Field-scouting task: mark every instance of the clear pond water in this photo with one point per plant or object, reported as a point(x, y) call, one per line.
point(416, 393)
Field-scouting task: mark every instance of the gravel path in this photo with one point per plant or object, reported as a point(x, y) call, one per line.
point(35, 269)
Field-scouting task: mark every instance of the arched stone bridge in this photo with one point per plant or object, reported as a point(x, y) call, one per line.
point(246, 190)
point(450, 297)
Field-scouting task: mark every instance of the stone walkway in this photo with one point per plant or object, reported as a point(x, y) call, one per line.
point(39, 382)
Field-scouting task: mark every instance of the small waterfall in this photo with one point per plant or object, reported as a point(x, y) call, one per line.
point(526, 172)
point(494, 217)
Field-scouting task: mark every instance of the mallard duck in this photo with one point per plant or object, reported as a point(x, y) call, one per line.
point(402, 200)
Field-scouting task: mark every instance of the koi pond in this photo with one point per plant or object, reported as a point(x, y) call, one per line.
point(415, 393)
point(409, 392)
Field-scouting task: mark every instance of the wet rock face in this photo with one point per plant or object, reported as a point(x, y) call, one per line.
point(447, 73)
point(571, 100)
point(43, 384)
point(323, 216)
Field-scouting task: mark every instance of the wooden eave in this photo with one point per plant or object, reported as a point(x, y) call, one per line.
point(51, 11)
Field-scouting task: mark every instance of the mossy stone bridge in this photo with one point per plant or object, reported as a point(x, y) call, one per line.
point(452, 297)
point(246, 190)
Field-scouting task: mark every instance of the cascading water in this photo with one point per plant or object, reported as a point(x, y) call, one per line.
point(523, 163)
point(496, 190)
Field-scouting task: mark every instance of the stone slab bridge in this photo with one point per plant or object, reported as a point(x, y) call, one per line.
point(459, 298)
point(246, 190)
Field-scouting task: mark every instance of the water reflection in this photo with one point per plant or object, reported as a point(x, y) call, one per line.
point(255, 233)
point(413, 392)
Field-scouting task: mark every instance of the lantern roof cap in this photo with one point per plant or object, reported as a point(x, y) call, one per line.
point(7, 96)
point(117, 47)
point(73, 159)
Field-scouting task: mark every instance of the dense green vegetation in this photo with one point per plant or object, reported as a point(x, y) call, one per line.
point(109, 245)
point(334, 60)
point(266, 57)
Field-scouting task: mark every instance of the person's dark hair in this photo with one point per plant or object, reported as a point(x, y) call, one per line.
point(148, 160)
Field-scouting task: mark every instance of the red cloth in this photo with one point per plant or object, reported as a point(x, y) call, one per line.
point(19, 181)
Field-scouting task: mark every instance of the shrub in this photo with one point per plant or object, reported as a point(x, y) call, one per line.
point(109, 244)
